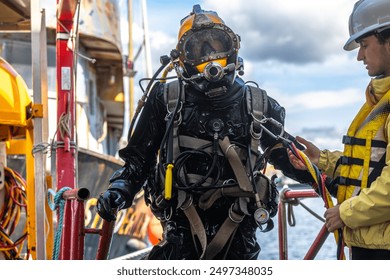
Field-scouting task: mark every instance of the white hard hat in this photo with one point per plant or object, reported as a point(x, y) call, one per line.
point(367, 16)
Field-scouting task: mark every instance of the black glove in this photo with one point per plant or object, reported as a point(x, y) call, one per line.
point(111, 201)
point(279, 159)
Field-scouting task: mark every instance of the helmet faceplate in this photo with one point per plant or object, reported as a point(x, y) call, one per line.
point(204, 45)
point(205, 42)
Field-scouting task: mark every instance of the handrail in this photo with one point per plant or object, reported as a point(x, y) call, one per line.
point(106, 231)
point(105, 240)
point(289, 196)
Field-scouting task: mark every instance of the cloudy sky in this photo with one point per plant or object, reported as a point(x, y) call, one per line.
point(292, 49)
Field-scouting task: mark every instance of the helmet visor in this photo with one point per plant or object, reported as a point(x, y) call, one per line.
point(207, 44)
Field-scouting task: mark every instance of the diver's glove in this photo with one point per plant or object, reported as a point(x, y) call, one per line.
point(120, 193)
point(112, 200)
point(279, 159)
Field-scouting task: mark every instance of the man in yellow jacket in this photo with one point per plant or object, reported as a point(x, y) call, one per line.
point(361, 173)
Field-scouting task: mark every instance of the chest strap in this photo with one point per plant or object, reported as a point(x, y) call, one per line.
point(348, 140)
point(358, 161)
point(345, 181)
point(236, 164)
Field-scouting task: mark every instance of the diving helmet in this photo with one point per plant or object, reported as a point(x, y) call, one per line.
point(207, 51)
point(368, 17)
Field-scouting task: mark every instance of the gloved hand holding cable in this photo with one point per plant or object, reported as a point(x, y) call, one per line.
point(308, 160)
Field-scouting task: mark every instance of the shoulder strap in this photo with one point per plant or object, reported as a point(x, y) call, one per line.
point(171, 97)
point(257, 104)
point(171, 94)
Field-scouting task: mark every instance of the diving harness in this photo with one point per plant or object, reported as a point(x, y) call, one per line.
point(244, 187)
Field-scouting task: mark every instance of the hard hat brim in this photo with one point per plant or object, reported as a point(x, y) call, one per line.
point(351, 44)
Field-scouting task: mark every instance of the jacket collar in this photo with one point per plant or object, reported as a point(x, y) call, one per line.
point(376, 90)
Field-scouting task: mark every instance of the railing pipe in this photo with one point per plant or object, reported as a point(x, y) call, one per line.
point(287, 196)
point(105, 240)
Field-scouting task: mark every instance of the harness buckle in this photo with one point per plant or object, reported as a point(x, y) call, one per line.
point(187, 203)
point(345, 160)
point(235, 217)
point(169, 114)
point(343, 181)
point(168, 216)
point(255, 135)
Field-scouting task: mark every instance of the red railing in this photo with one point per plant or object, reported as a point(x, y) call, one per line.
point(76, 198)
point(290, 196)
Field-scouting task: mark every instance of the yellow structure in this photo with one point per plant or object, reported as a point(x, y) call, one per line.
point(15, 103)
point(16, 130)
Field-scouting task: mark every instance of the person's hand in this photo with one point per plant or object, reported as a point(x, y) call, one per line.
point(295, 161)
point(311, 151)
point(109, 203)
point(333, 220)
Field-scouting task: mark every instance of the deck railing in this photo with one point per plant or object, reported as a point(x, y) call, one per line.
point(288, 196)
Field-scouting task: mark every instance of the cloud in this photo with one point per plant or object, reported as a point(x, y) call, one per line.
point(292, 32)
point(315, 100)
point(296, 32)
point(292, 49)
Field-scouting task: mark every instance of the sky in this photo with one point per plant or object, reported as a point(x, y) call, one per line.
point(292, 49)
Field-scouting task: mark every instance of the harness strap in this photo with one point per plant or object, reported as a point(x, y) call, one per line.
point(196, 224)
point(226, 231)
point(221, 238)
point(207, 199)
point(345, 181)
point(194, 178)
point(376, 172)
point(343, 160)
point(349, 140)
point(236, 164)
point(358, 161)
point(171, 97)
point(257, 106)
point(196, 143)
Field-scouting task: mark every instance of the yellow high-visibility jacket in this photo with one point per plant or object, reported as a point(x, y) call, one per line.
point(364, 172)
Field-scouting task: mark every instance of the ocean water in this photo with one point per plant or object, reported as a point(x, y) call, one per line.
point(301, 236)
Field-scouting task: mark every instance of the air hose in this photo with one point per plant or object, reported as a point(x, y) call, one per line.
point(322, 190)
point(15, 199)
point(318, 177)
point(164, 62)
